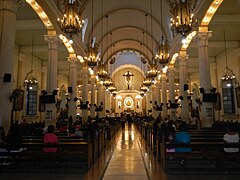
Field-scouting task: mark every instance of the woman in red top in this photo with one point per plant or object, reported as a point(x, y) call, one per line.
point(50, 138)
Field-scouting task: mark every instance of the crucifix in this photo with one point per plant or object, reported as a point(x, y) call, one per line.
point(128, 78)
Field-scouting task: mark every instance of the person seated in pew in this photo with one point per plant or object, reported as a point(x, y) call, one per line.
point(50, 138)
point(231, 137)
point(3, 151)
point(183, 137)
point(78, 131)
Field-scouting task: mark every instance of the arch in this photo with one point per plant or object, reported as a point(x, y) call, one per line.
point(210, 13)
point(128, 50)
point(204, 23)
point(131, 9)
point(48, 24)
point(127, 27)
point(127, 66)
point(122, 40)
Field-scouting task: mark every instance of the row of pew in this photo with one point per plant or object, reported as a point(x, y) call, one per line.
point(207, 152)
point(74, 153)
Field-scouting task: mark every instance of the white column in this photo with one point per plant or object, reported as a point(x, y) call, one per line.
point(85, 74)
point(8, 10)
point(108, 100)
point(164, 95)
point(148, 99)
point(21, 56)
point(206, 114)
point(101, 100)
point(171, 91)
point(92, 109)
point(183, 80)
point(155, 99)
point(53, 43)
point(43, 87)
point(73, 84)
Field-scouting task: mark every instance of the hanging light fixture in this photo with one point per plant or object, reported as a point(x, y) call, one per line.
point(30, 79)
point(92, 51)
point(143, 59)
point(71, 22)
point(163, 50)
point(114, 93)
point(107, 82)
point(147, 81)
point(112, 88)
point(113, 58)
point(142, 93)
point(229, 75)
point(152, 71)
point(144, 88)
point(183, 20)
point(102, 73)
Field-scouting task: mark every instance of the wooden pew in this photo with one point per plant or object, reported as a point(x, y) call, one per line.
point(204, 155)
point(74, 155)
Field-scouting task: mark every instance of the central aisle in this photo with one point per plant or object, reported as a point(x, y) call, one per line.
point(126, 161)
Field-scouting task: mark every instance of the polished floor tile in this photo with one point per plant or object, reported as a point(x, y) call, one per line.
point(126, 161)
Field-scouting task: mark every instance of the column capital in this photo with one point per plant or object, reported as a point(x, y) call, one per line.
point(53, 41)
point(72, 60)
point(183, 58)
point(10, 5)
point(202, 37)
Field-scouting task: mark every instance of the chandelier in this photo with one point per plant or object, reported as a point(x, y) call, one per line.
point(144, 88)
point(147, 81)
point(152, 72)
point(30, 79)
point(102, 73)
point(71, 22)
point(114, 93)
point(163, 49)
point(107, 82)
point(142, 93)
point(92, 54)
point(183, 17)
point(229, 75)
point(163, 52)
point(92, 51)
point(112, 88)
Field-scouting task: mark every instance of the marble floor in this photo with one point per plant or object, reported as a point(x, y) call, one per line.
point(126, 161)
point(126, 158)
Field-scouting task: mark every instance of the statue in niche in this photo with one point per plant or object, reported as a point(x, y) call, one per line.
point(128, 77)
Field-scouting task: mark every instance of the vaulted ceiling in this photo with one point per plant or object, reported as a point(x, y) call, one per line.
point(130, 25)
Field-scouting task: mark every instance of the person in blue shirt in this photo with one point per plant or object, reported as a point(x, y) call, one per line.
point(183, 137)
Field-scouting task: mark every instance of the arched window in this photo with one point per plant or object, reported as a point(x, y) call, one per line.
point(31, 100)
point(228, 96)
point(31, 84)
point(84, 29)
